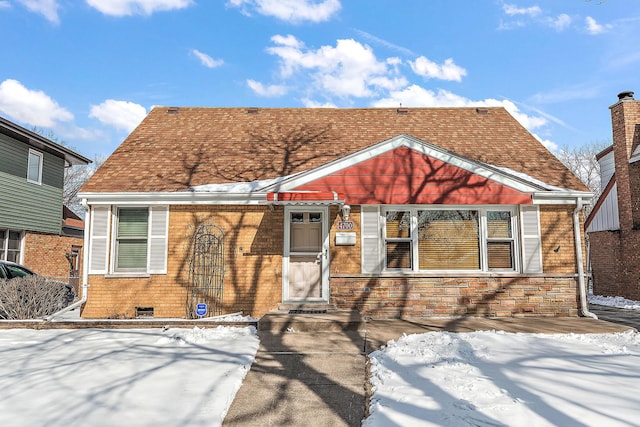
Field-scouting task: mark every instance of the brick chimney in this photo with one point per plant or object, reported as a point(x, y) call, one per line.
point(625, 123)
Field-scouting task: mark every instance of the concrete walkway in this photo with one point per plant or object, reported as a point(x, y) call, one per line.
point(310, 370)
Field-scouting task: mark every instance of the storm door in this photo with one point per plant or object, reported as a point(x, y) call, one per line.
point(306, 254)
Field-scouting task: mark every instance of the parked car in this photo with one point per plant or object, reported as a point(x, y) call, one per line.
point(11, 270)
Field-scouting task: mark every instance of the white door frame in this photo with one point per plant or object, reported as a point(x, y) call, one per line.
point(324, 256)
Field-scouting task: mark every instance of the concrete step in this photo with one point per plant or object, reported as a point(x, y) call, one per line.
point(278, 321)
point(301, 308)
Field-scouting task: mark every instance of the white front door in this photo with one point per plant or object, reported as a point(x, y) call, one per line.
point(306, 254)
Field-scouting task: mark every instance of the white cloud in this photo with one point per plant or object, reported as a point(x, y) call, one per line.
point(137, 7)
point(294, 11)
point(429, 69)
point(267, 91)
point(31, 106)
point(560, 22)
point(46, 8)
point(309, 103)
point(4, 4)
point(385, 43)
point(349, 69)
point(206, 60)
point(513, 10)
point(417, 96)
point(549, 145)
point(594, 28)
point(123, 115)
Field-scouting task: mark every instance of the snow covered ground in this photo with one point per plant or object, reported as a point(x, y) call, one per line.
point(618, 302)
point(503, 379)
point(133, 377)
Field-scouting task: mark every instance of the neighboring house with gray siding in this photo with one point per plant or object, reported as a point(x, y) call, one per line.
point(35, 229)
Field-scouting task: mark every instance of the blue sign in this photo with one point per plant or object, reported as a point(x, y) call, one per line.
point(201, 309)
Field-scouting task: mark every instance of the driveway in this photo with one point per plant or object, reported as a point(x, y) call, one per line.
point(617, 315)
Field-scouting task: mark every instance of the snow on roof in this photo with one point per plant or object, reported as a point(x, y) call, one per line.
point(236, 187)
point(529, 178)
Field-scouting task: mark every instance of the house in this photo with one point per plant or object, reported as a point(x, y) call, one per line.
point(613, 226)
point(35, 228)
point(392, 212)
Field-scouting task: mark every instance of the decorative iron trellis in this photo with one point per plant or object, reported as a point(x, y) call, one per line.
point(206, 270)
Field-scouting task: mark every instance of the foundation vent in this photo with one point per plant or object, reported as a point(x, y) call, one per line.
point(144, 312)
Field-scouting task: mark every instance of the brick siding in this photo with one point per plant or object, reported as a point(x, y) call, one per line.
point(253, 266)
point(253, 274)
point(456, 296)
point(45, 254)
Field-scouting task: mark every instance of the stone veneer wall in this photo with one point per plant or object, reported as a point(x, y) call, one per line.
point(402, 297)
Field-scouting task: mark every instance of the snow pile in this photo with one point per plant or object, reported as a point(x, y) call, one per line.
point(233, 317)
point(132, 377)
point(498, 378)
point(618, 302)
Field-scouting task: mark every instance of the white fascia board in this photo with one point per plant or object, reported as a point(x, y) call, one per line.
point(174, 198)
point(561, 197)
point(404, 140)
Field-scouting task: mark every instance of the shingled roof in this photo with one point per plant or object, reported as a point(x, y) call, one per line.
point(174, 149)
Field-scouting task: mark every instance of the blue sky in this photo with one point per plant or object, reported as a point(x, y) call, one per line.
point(89, 70)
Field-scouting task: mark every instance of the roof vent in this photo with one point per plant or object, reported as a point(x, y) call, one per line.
point(626, 95)
point(482, 111)
point(252, 110)
point(402, 110)
point(173, 110)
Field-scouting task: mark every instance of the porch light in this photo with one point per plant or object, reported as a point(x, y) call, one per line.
point(345, 210)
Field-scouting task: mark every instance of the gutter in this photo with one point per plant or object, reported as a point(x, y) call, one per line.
point(85, 271)
point(584, 305)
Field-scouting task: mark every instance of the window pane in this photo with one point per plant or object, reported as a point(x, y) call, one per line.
point(133, 223)
point(500, 255)
point(297, 217)
point(132, 239)
point(132, 254)
point(448, 240)
point(33, 169)
point(14, 240)
point(315, 217)
point(3, 243)
point(499, 224)
point(399, 255)
point(398, 224)
point(13, 246)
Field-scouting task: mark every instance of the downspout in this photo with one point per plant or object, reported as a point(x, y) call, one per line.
point(584, 305)
point(85, 269)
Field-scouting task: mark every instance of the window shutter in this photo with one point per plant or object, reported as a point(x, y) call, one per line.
point(158, 230)
point(531, 242)
point(371, 261)
point(99, 240)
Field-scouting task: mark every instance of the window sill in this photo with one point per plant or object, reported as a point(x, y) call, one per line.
point(451, 274)
point(127, 275)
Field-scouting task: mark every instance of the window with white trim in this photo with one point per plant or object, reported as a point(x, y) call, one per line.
point(10, 245)
point(34, 167)
point(450, 239)
point(128, 240)
point(131, 240)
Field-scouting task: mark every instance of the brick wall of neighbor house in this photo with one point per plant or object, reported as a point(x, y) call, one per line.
point(253, 245)
point(45, 254)
point(625, 123)
point(553, 293)
point(605, 256)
